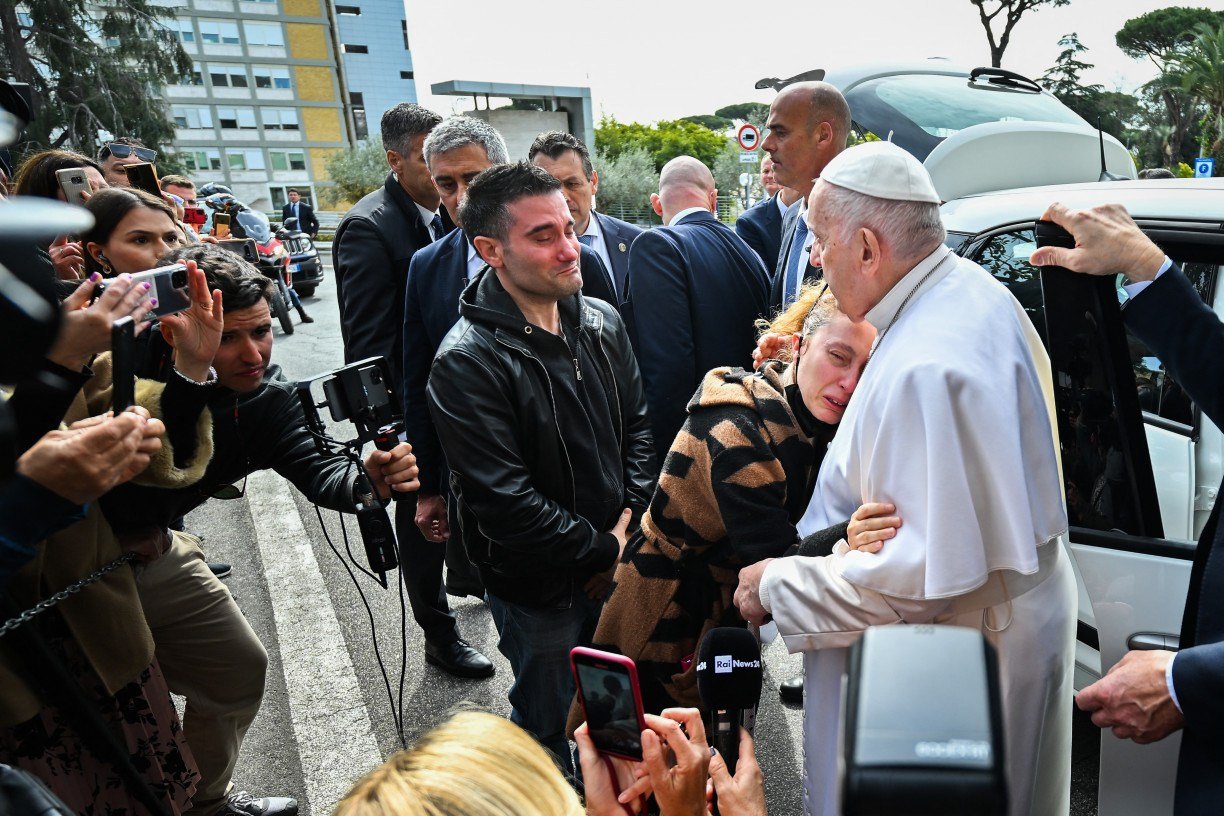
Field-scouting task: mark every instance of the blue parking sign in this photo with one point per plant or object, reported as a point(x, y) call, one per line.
point(1204, 168)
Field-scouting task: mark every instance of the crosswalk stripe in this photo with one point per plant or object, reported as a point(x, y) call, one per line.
point(331, 726)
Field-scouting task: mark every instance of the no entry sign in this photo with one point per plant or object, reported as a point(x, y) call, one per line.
point(748, 136)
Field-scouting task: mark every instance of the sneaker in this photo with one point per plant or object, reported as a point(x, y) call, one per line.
point(219, 569)
point(244, 804)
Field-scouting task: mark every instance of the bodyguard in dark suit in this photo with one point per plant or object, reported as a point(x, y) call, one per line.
point(695, 290)
point(371, 253)
point(567, 159)
point(1150, 694)
point(303, 212)
point(761, 228)
point(808, 125)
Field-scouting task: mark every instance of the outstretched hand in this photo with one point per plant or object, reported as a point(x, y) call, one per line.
point(196, 332)
point(1107, 242)
point(86, 329)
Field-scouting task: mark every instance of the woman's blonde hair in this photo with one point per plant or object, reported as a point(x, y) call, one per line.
point(472, 764)
point(813, 308)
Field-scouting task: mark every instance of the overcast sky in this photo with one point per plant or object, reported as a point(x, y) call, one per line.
point(646, 60)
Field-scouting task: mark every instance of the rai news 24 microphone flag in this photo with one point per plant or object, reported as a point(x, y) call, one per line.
point(729, 682)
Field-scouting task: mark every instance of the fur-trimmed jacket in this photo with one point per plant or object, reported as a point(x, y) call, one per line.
point(106, 619)
point(735, 483)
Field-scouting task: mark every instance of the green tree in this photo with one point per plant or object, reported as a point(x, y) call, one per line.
point(94, 69)
point(625, 184)
point(712, 122)
point(1007, 13)
point(1202, 70)
point(355, 172)
point(754, 112)
point(663, 141)
point(1160, 36)
point(1063, 78)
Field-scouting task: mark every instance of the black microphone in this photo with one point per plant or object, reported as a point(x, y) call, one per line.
point(729, 682)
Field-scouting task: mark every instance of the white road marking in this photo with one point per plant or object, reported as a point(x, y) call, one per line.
point(331, 725)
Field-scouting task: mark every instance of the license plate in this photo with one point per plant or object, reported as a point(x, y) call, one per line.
point(295, 267)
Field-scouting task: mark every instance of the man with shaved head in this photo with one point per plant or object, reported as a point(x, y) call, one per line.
point(809, 123)
point(694, 290)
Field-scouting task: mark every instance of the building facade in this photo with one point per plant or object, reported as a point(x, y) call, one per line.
point(267, 100)
point(372, 38)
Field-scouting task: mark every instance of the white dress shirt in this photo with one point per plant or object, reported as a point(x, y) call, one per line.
point(427, 216)
point(475, 263)
point(683, 214)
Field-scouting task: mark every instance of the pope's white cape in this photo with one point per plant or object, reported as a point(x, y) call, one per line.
point(952, 422)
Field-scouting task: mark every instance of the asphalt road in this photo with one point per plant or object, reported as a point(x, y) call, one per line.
point(326, 716)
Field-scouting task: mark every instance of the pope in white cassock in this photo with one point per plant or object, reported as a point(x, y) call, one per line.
point(952, 422)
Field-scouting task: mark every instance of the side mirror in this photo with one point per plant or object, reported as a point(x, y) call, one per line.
point(290, 224)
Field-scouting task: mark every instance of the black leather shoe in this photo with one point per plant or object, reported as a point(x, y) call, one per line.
point(219, 569)
point(791, 691)
point(459, 659)
point(307, 318)
point(244, 804)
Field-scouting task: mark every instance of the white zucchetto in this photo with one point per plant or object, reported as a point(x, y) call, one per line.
point(881, 170)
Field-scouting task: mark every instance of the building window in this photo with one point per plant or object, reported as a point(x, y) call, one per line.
point(355, 49)
point(206, 159)
point(348, 11)
point(227, 76)
point(287, 159)
point(405, 74)
point(182, 29)
point(192, 116)
point(219, 32)
point(404, 29)
point(251, 159)
point(280, 119)
point(268, 77)
point(193, 77)
point(360, 124)
point(236, 118)
point(264, 34)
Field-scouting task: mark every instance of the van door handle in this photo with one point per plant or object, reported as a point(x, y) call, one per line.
point(1149, 641)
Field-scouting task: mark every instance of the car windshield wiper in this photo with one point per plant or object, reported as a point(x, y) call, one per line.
point(1006, 79)
point(778, 84)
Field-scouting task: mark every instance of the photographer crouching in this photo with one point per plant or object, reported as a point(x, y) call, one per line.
point(223, 392)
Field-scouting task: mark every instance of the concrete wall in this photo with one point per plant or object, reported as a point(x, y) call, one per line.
point(519, 128)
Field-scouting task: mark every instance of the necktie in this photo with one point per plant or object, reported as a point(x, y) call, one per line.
point(587, 240)
point(436, 226)
point(796, 260)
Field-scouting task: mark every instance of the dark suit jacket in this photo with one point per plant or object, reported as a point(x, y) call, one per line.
point(619, 236)
point(695, 289)
point(1189, 339)
point(307, 222)
point(790, 223)
point(436, 278)
point(373, 246)
point(761, 228)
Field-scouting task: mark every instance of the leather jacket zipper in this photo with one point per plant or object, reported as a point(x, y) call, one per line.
point(552, 400)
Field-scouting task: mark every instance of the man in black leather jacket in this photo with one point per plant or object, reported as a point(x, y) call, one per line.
point(540, 412)
point(228, 413)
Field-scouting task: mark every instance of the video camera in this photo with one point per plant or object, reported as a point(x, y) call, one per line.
point(360, 393)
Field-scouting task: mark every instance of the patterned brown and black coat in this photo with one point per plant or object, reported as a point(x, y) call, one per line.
point(733, 486)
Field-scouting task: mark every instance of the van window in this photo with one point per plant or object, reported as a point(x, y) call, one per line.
point(1006, 255)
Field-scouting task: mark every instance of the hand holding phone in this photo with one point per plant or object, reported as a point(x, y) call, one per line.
point(143, 176)
point(221, 225)
point(74, 184)
point(611, 700)
point(123, 364)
